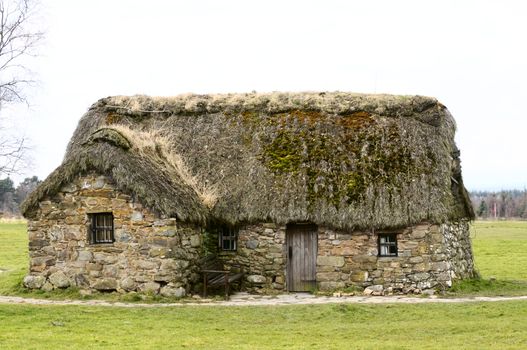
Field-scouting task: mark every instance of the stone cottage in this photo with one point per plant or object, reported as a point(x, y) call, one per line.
point(304, 190)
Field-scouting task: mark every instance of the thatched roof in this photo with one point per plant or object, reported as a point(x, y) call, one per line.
point(337, 159)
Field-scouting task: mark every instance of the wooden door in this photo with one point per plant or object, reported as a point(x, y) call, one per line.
point(301, 240)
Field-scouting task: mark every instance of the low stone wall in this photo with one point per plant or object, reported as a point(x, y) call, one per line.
point(149, 254)
point(429, 256)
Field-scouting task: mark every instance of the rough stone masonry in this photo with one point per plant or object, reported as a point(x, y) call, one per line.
point(160, 255)
point(150, 254)
point(429, 256)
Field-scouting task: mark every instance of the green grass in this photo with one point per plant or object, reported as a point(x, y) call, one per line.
point(433, 326)
point(13, 256)
point(500, 249)
point(499, 325)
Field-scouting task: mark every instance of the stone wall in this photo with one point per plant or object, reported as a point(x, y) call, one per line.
point(160, 255)
point(458, 249)
point(429, 256)
point(262, 254)
point(150, 254)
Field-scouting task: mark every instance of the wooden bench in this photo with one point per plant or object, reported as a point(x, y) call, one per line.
point(215, 275)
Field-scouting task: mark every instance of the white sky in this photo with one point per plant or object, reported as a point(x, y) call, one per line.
point(471, 55)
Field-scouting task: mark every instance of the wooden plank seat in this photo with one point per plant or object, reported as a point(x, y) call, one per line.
point(215, 275)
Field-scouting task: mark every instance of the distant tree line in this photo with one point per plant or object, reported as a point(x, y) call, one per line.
point(500, 205)
point(11, 196)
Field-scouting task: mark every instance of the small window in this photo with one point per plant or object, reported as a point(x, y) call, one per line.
point(228, 238)
point(101, 228)
point(388, 244)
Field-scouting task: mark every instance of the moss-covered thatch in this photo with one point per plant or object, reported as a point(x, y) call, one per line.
point(337, 159)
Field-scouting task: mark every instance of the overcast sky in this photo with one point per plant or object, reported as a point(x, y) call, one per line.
point(471, 55)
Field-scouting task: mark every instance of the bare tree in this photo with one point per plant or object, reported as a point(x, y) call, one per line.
point(13, 151)
point(18, 41)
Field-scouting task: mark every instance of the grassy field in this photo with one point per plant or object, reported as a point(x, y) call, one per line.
point(500, 257)
point(498, 247)
point(498, 325)
point(13, 256)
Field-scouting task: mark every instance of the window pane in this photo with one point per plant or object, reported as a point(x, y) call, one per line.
point(102, 228)
point(388, 245)
point(228, 236)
